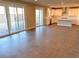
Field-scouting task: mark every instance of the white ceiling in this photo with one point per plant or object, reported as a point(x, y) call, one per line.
point(55, 3)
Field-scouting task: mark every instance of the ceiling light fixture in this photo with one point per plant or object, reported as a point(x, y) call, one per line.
point(36, 0)
point(48, 4)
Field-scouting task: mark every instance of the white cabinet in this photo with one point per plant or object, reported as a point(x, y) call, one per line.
point(64, 22)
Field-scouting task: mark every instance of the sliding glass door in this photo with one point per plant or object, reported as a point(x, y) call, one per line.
point(39, 16)
point(3, 22)
point(12, 19)
point(17, 20)
point(21, 19)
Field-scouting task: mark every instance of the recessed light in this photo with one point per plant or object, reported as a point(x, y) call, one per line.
point(48, 4)
point(36, 0)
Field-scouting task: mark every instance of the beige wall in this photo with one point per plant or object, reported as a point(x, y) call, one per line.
point(30, 16)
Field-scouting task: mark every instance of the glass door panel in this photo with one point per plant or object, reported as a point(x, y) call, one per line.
point(3, 22)
point(13, 19)
point(24, 19)
point(41, 17)
point(21, 19)
point(37, 17)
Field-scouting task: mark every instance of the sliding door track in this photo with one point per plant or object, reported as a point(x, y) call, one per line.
point(11, 34)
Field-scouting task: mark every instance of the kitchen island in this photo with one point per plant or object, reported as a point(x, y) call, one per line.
point(64, 22)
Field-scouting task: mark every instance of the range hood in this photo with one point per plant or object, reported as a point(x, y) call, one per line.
point(65, 11)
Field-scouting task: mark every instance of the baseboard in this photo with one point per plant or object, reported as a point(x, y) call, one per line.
point(31, 28)
point(75, 24)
